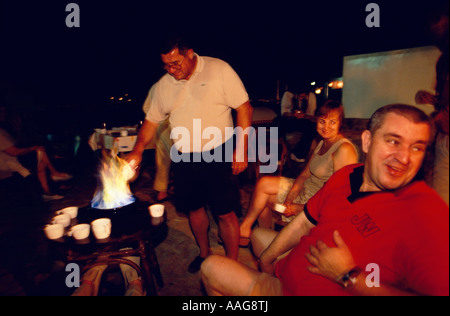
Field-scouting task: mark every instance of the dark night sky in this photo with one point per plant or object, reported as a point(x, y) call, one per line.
point(113, 51)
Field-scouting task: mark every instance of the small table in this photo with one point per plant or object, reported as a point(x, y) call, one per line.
point(112, 139)
point(132, 234)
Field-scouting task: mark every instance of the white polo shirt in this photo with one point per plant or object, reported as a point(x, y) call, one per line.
point(200, 106)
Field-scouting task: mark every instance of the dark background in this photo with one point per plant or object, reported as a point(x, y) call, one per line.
point(68, 75)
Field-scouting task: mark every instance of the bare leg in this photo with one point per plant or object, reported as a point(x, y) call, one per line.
point(44, 162)
point(41, 173)
point(224, 276)
point(266, 191)
point(229, 232)
point(199, 222)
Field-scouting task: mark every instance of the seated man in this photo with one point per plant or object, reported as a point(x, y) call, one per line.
point(369, 223)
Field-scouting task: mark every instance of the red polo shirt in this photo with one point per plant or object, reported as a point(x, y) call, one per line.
point(405, 232)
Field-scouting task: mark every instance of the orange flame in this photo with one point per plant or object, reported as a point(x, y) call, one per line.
point(114, 190)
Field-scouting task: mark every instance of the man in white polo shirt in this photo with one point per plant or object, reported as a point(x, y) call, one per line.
point(198, 95)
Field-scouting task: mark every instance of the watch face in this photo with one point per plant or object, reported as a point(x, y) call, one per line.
point(350, 278)
point(351, 282)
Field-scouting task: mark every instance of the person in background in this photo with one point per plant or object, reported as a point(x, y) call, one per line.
point(332, 153)
point(306, 113)
point(439, 179)
point(187, 96)
point(440, 183)
point(297, 115)
point(364, 233)
point(289, 102)
point(27, 161)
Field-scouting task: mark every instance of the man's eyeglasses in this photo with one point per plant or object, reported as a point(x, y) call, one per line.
point(174, 65)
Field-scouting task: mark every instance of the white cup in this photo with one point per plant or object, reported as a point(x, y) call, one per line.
point(63, 219)
point(80, 231)
point(123, 133)
point(101, 228)
point(54, 231)
point(156, 210)
point(280, 208)
point(71, 210)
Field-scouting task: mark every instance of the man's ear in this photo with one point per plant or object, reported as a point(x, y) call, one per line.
point(190, 53)
point(366, 138)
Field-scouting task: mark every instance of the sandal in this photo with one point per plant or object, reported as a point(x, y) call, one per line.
point(61, 177)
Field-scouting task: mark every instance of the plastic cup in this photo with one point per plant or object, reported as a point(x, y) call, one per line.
point(54, 231)
point(71, 210)
point(63, 219)
point(101, 228)
point(156, 210)
point(280, 208)
point(80, 231)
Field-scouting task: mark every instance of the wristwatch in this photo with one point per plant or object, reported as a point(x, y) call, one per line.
point(348, 280)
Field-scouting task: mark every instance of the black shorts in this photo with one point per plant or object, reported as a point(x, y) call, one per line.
point(201, 184)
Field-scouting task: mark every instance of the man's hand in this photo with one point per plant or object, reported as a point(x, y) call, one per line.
point(134, 159)
point(146, 134)
point(333, 262)
point(239, 166)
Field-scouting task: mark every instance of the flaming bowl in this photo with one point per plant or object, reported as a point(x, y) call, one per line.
point(126, 220)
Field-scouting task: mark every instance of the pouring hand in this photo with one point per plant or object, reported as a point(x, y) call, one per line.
point(134, 160)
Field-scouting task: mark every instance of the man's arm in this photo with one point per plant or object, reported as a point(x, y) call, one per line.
point(146, 134)
point(243, 120)
point(16, 151)
point(334, 263)
point(287, 239)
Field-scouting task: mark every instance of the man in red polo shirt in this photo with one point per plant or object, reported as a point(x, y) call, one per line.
point(371, 230)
